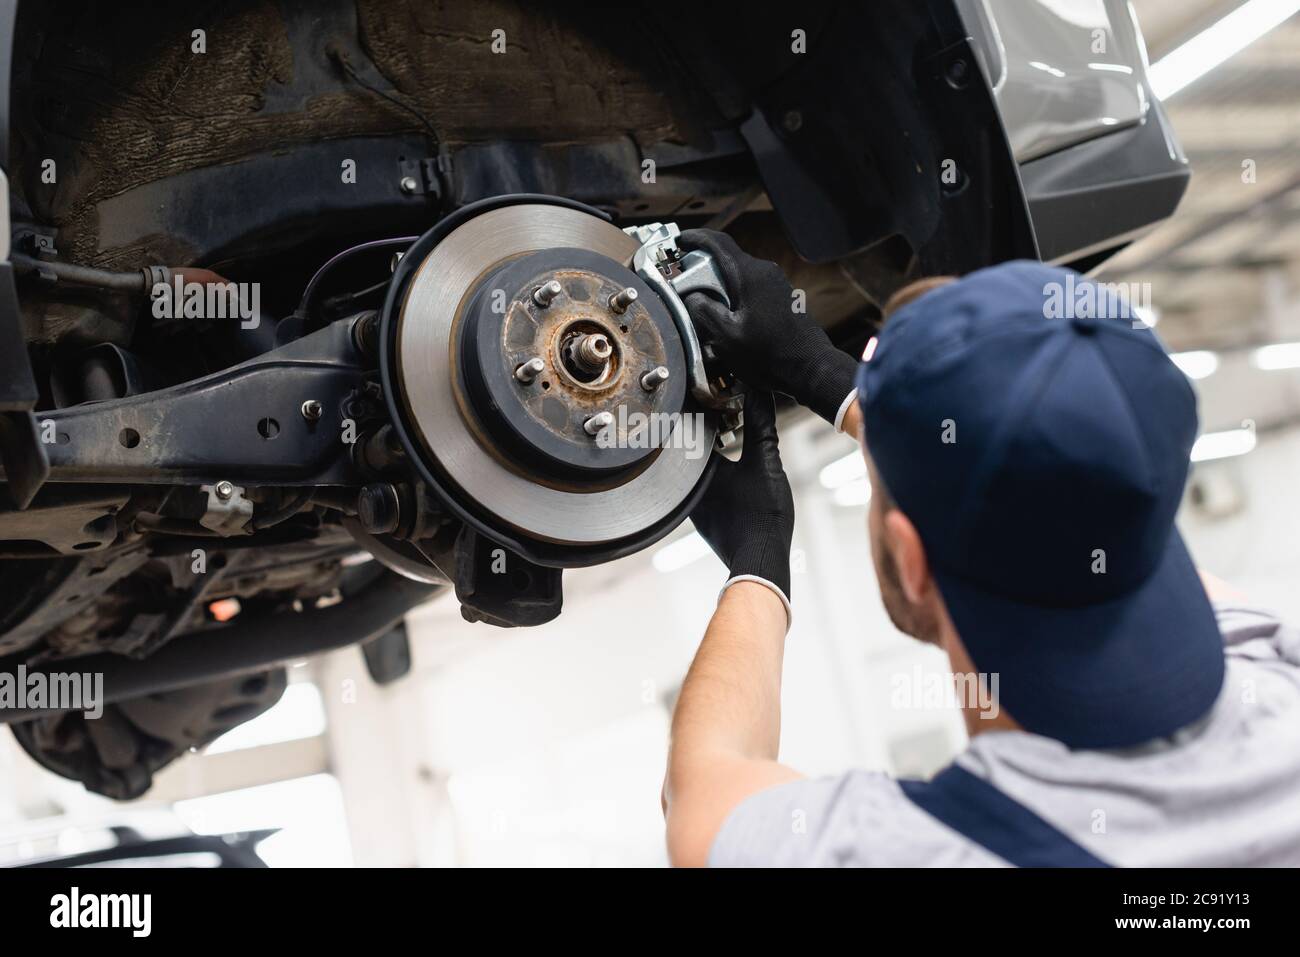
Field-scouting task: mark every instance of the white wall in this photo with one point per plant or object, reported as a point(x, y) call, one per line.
point(1255, 547)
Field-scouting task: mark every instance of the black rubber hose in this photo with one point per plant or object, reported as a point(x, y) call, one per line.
point(304, 304)
point(243, 647)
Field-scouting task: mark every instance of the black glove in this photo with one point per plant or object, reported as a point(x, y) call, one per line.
point(763, 341)
point(747, 512)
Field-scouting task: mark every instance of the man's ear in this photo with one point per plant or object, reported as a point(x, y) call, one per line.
point(904, 543)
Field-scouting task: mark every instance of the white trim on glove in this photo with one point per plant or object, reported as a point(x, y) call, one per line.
point(844, 408)
point(789, 614)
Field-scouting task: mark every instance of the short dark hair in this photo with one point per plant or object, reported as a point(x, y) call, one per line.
point(913, 291)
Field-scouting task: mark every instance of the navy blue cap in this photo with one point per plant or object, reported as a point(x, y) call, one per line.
point(1039, 438)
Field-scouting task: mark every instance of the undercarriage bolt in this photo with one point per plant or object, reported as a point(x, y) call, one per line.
point(312, 410)
point(599, 421)
point(530, 370)
point(378, 508)
point(654, 378)
point(409, 184)
point(365, 334)
point(224, 490)
point(545, 294)
point(620, 301)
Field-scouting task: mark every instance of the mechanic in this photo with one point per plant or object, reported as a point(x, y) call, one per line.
point(1026, 472)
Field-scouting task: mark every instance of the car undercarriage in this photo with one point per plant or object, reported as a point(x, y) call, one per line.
point(314, 311)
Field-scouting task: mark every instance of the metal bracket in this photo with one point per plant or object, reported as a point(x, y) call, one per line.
point(419, 177)
point(670, 274)
point(228, 510)
point(699, 273)
point(248, 424)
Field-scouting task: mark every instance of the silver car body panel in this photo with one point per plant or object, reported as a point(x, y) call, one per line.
point(1063, 71)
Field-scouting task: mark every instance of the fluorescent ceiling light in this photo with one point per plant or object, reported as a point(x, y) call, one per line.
point(843, 471)
point(1283, 355)
point(1196, 365)
point(1212, 46)
point(681, 552)
point(853, 495)
point(1222, 445)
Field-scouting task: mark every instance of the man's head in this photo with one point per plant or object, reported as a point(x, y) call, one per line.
point(911, 598)
point(1026, 468)
point(913, 605)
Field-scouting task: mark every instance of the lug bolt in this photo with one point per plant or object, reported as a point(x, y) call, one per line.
point(530, 370)
point(599, 421)
point(620, 301)
point(545, 294)
point(224, 490)
point(312, 410)
point(654, 378)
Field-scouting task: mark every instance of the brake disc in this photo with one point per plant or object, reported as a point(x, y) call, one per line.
point(546, 382)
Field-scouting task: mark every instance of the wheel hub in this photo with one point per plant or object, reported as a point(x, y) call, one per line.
point(539, 367)
point(545, 384)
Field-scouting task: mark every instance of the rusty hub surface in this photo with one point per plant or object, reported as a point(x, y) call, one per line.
point(592, 359)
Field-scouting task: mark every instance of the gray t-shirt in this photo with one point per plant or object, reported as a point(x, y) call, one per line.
point(1224, 792)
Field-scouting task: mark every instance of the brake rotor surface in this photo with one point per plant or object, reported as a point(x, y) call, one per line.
point(563, 492)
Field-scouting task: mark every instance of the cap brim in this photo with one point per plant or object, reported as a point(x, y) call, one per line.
point(1109, 675)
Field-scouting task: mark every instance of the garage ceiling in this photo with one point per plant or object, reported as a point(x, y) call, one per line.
point(1225, 270)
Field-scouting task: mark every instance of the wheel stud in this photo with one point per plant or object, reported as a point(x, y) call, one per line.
point(545, 294)
point(620, 301)
point(654, 378)
point(530, 370)
point(599, 421)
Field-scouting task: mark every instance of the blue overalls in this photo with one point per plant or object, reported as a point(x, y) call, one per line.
point(976, 809)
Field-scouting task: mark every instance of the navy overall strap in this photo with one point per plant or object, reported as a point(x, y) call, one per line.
point(971, 806)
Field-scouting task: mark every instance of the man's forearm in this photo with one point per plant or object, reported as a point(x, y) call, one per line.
point(731, 698)
point(727, 725)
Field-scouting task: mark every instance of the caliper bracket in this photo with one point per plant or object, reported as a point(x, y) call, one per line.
point(672, 275)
